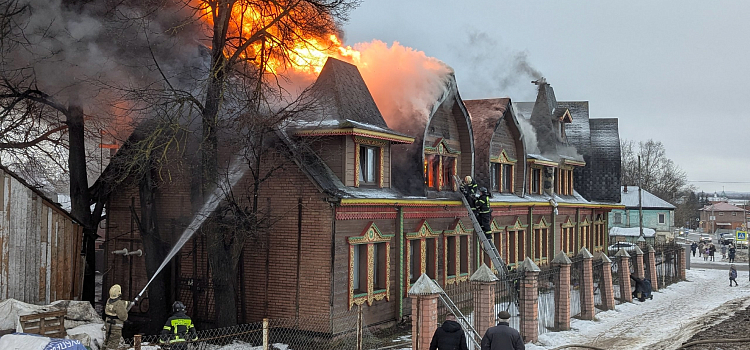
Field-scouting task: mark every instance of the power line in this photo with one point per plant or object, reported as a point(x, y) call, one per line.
point(721, 182)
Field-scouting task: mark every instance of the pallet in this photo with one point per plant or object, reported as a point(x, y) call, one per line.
point(49, 324)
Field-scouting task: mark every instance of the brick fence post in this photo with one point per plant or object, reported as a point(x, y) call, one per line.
point(650, 259)
point(638, 263)
point(623, 271)
point(562, 292)
point(484, 281)
point(681, 262)
point(529, 302)
point(605, 285)
point(587, 286)
point(424, 298)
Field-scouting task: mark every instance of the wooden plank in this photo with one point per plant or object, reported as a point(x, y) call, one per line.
point(42, 235)
point(30, 248)
point(56, 261)
point(48, 286)
point(48, 324)
point(4, 200)
point(17, 253)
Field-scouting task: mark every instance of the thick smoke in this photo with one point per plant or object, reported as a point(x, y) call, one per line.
point(404, 82)
point(529, 135)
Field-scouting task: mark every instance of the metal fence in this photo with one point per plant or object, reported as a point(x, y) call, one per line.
point(312, 332)
point(616, 278)
point(597, 266)
point(667, 267)
point(462, 294)
point(576, 277)
point(507, 291)
point(546, 288)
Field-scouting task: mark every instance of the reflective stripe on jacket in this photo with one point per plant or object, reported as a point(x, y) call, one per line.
point(179, 328)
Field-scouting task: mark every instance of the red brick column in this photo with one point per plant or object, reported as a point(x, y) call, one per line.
point(605, 286)
point(681, 262)
point(587, 286)
point(650, 259)
point(424, 302)
point(529, 302)
point(623, 270)
point(562, 292)
point(638, 263)
point(484, 300)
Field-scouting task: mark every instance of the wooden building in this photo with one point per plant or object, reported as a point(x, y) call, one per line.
point(368, 207)
point(40, 245)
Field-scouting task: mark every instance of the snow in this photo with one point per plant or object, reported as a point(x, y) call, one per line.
point(91, 335)
point(631, 231)
point(23, 341)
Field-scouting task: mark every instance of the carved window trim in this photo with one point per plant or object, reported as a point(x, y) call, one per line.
point(380, 145)
point(458, 231)
point(584, 235)
point(370, 236)
point(423, 233)
point(441, 150)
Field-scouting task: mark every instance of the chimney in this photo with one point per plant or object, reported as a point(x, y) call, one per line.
point(625, 189)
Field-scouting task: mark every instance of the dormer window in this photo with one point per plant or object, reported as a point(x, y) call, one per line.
point(440, 165)
point(535, 181)
point(501, 169)
point(564, 181)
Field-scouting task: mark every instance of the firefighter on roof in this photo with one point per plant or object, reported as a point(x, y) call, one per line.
point(115, 315)
point(179, 329)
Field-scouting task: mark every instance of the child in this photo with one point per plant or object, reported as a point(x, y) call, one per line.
point(732, 275)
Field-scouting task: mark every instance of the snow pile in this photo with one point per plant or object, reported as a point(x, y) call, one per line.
point(10, 309)
point(77, 313)
point(631, 231)
point(23, 341)
point(91, 335)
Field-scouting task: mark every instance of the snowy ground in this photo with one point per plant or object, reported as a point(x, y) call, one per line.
point(675, 314)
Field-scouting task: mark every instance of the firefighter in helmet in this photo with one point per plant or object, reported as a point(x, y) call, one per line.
point(115, 315)
point(179, 329)
point(469, 190)
point(483, 211)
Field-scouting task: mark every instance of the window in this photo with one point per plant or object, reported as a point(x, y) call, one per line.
point(661, 218)
point(464, 254)
point(450, 255)
point(369, 266)
point(431, 257)
point(618, 218)
point(496, 176)
point(564, 182)
point(415, 260)
point(734, 213)
point(540, 244)
point(568, 240)
point(721, 213)
point(368, 164)
point(535, 181)
point(439, 171)
point(507, 178)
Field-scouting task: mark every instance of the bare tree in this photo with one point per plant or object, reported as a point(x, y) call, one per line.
point(658, 175)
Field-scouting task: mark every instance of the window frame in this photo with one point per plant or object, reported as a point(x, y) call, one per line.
point(500, 168)
point(436, 158)
point(428, 262)
point(369, 238)
point(379, 161)
point(454, 250)
point(662, 217)
point(535, 180)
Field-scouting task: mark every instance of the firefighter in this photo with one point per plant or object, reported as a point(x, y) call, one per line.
point(483, 211)
point(115, 315)
point(179, 329)
point(469, 190)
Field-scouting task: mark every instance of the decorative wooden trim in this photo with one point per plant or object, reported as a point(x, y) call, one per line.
point(495, 227)
point(423, 231)
point(541, 162)
point(517, 225)
point(370, 236)
point(503, 158)
point(380, 145)
point(370, 142)
point(458, 229)
point(356, 163)
point(442, 148)
point(542, 223)
point(356, 132)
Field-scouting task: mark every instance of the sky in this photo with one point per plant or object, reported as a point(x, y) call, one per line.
point(672, 71)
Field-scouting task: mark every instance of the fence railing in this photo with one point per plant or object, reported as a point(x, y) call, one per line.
point(546, 290)
point(597, 266)
point(576, 276)
point(667, 264)
point(506, 297)
point(313, 332)
point(462, 294)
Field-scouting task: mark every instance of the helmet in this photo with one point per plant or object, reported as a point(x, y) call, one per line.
point(483, 189)
point(178, 307)
point(467, 179)
point(115, 291)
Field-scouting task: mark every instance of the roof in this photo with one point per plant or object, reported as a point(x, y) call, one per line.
point(722, 206)
point(630, 199)
point(343, 101)
point(38, 192)
point(578, 132)
point(631, 231)
point(486, 116)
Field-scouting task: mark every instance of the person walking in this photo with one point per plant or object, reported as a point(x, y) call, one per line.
point(705, 253)
point(711, 251)
point(484, 212)
point(115, 315)
point(502, 337)
point(179, 329)
point(693, 247)
point(449, 336)
point(732, 275)
point(701, 247)
point(732, 252)
point(723, 251)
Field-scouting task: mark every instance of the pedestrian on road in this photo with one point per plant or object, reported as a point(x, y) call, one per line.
point(693, 247)
point(449, 336)
point(701, 248)
point(732, 275)
point(705, 253)
point(711, 251)
point(502, 337)
point(732, 252)
point(723, 251)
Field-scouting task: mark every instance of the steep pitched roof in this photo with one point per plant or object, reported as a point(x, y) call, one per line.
point(578, 132)
point(486, 115)
point(630, 199)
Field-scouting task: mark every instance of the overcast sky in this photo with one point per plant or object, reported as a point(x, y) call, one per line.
point(672, 71)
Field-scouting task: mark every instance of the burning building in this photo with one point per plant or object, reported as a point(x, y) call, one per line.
point(368, 206)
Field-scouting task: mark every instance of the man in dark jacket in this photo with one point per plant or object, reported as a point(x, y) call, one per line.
point(502, 337)
point(179, 329)
point(449, 336)
point(483, 211)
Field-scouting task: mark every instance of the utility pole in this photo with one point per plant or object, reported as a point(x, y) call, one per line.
point(641, 238)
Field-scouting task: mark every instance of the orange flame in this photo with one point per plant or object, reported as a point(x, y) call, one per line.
point(307, 54)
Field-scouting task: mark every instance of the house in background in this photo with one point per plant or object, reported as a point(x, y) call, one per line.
point(721, 216)
point(658, 214)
